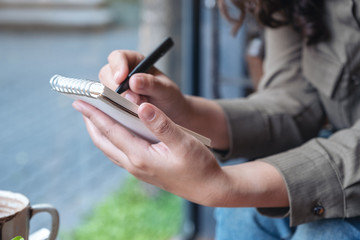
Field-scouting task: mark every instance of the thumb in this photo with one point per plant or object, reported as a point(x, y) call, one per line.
point(162, 127)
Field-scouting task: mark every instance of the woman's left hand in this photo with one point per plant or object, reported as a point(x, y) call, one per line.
point(179, 163)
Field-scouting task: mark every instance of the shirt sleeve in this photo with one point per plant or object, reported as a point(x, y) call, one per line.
point(284, 112)
point(322, 178)
point(321, 174)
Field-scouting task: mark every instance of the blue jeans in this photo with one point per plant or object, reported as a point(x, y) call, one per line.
point(247, 223)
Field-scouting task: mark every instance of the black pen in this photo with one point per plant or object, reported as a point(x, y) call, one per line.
point(146, 63)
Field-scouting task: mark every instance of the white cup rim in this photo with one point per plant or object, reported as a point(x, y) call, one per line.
point(20, 204)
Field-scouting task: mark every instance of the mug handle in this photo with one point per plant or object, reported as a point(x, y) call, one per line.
point(37, 208)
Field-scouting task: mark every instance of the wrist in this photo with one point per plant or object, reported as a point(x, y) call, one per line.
point(254, 184)
point(216, 190)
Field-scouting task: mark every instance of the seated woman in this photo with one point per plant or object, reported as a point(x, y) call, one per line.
point(311, 77)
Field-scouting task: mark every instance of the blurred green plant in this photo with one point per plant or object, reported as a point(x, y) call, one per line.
point(18, 238)
point(133, 214)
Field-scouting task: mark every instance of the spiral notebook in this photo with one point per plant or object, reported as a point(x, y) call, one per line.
point(111, 103)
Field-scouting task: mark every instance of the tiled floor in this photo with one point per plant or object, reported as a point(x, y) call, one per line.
point(45, 151)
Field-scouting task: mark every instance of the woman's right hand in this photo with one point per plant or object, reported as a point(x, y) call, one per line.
point(153, 87)
point(198, 114)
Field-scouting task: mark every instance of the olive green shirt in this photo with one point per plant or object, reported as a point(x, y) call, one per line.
point(304, 87)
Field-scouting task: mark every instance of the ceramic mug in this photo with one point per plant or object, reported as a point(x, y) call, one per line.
point(16, 212)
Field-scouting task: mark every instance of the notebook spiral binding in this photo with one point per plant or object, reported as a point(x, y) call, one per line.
point(75, 86)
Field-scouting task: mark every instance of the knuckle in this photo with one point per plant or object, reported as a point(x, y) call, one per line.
point(139, 163)
point(102, 72)
point(132, 170)
point(115, 54)
point(139, 56)
point(107, 131)
point(117, 162)
point(152, 82)
point(189, 144)
point(164, 127)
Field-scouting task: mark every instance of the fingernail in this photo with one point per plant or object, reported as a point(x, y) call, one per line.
point(149, 114)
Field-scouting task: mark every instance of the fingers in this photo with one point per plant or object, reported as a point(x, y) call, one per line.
point(121, 62)
point(117, 143)
point(101, 142)
point(135, 98)
point(107, 77)
point(153, 86)
point(109, 129)
point(164, 129)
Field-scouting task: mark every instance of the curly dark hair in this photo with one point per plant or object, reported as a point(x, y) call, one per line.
point(306, 16)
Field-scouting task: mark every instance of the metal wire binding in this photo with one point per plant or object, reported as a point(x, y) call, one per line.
point(72, 85)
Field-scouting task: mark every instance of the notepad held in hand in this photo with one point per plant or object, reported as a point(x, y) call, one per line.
point(111, 103)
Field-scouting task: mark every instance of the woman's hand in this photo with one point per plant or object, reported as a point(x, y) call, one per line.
point(197, 114)
point(179, 163)
point(153, 87)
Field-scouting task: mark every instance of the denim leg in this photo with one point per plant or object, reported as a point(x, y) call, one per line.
point(247, 223)
point(329, 229)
